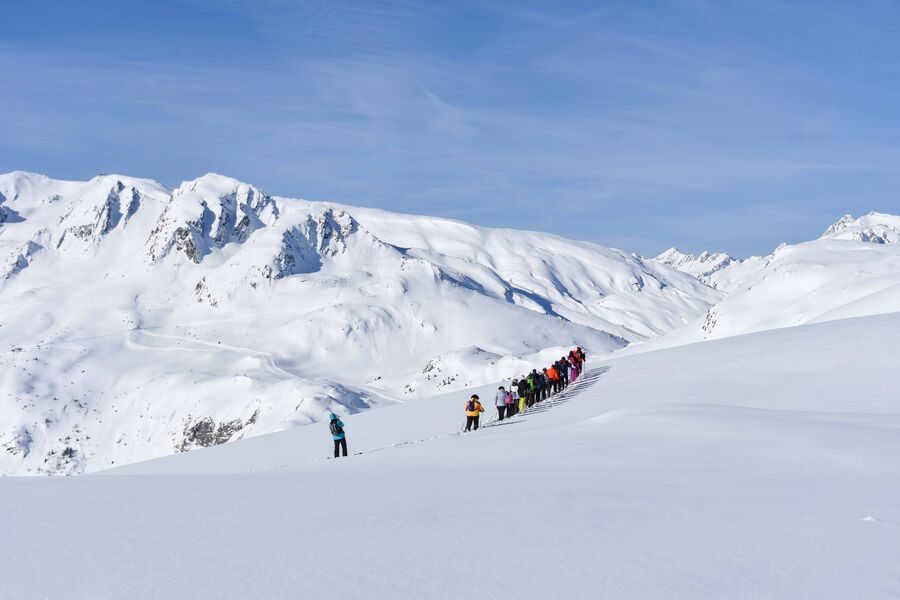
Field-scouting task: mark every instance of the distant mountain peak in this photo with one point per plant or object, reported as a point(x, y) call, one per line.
point(874, 227)
point(216, 183)
point(699, 265)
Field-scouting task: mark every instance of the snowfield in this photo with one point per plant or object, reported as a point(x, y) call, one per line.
point(756, 466)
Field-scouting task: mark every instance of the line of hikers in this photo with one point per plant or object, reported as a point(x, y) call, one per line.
point(528, 390)
point(523, 393)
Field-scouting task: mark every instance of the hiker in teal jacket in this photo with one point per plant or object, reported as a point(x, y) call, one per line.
point(338, 435)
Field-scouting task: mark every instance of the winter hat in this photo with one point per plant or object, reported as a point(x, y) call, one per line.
point(474, 396)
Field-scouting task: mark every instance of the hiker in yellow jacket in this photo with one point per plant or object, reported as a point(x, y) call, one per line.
point(473, 412)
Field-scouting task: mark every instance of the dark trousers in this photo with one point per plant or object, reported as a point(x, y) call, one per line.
point(471, 422)
point(340, 444)
point(501, 411)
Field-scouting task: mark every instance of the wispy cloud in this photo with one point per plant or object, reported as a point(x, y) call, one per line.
point(635, 115)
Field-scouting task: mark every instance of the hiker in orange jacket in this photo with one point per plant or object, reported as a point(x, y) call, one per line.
point(553, 375)
point(473, 412)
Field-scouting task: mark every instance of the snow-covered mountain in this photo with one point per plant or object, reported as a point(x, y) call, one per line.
point(717, 270)
point(137, 321)
point(874, 227)
point(727, 273)
point(852, 270)
point(699, 265)
point(813, 282)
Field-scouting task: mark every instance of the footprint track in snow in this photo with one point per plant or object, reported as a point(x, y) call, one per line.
point(575, 389)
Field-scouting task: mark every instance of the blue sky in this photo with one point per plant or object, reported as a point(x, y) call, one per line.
point(705, 125)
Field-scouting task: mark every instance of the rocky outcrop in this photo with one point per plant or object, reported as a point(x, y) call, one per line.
point(206, 431)
point(304, 246)
point(197, 221)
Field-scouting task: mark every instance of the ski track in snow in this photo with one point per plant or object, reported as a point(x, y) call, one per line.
point(268, 360)
point(588, 379)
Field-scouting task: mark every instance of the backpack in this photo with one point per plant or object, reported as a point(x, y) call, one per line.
point(336, 428)
point(470, 406)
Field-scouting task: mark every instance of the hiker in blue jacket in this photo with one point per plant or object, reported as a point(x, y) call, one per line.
point(338, 435)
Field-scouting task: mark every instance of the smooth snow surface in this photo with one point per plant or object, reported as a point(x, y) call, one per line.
point(758, 466)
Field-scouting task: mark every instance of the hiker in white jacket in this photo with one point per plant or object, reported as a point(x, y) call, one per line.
point(500, 401)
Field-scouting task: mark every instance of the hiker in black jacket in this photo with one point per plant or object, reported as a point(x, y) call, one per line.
point(563, 367)
point(523, 394)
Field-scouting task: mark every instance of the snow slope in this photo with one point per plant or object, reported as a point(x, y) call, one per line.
point(759, 466)
point(852, 270)
point(816, 281)
point(138, 321)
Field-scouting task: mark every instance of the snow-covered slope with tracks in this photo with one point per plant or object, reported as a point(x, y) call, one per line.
point(759, 466)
